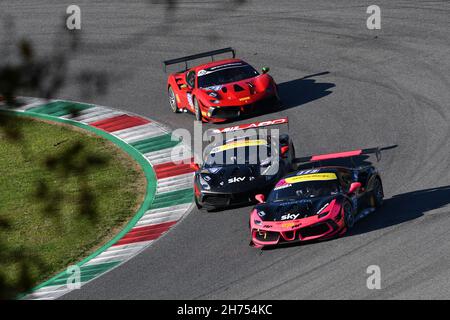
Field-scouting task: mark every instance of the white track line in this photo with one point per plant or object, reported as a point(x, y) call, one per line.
point(139, 133)
point(180, 182)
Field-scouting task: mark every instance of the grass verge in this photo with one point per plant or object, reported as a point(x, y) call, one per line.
point(63, 193)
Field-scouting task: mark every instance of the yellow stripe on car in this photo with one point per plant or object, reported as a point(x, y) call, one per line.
point(239, 144)
point(311, 177)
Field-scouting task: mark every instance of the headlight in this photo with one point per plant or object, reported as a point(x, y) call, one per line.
point(211, 111)
point(322, 212)
point(203, 183)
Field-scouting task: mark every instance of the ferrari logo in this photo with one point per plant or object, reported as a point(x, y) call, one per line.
point(288, 225)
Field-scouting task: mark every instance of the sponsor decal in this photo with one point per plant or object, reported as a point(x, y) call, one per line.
point(238, 144)
point(311, 177)
point(203, 72)
point(290, 216)
point(252, 125)
point(244, 99)
point(236, 179)
point(215, 88)
point(307, 171)
point(290, 225)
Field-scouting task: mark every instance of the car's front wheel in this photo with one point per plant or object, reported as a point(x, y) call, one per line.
point(349, 218)
point(173, 101)
point(199, 206)
point(197, 110)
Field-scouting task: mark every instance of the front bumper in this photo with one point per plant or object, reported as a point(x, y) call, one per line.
point(213, 200)
point(223, 113)
point(306, 229)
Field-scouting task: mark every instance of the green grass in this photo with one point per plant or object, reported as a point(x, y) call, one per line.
point(30, 186)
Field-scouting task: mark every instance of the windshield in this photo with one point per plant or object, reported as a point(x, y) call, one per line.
point(222, 156)
point(209, 78)
point(304, 190)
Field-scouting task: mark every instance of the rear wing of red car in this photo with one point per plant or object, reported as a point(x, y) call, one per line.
point(198, 56)
point(345, 154)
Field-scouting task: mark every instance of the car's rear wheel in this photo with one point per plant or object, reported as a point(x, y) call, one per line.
point(198, 112)
point(173, 101)
point(378, 193)
point(293, 166)
point(349, 218)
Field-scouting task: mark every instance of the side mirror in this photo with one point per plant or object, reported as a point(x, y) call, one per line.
point(354, 187)
point(284, 151)
point(195, 166)
point(260, 198)
point(265, 70)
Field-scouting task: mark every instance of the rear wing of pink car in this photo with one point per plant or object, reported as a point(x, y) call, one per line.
point(345, 154)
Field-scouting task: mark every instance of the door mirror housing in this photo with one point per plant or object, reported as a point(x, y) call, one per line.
point(190, 79)
point(354, 187)
point(265, 70)
point(260, 198)
point(284, 151)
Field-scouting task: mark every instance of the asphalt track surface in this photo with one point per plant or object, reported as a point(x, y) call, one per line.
point(343, 86)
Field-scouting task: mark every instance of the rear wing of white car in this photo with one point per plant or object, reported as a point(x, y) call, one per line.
point(253, 125)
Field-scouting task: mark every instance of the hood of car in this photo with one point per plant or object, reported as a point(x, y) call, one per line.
point(293, 209)
point(238, 92)
point(232, 178)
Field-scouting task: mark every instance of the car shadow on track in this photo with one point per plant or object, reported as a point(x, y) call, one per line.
point(403, 207)
point(294, 93)
point(297, 92)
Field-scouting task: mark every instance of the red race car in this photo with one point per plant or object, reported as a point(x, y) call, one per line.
point(220, 90)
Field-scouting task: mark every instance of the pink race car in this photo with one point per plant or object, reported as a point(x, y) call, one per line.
point(316, 203)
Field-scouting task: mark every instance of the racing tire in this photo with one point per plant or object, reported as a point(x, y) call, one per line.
point(349, 218)
point(293, 165)
point(173, 100)
point(199, 206)
point(197, 110)
point(378, 193)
